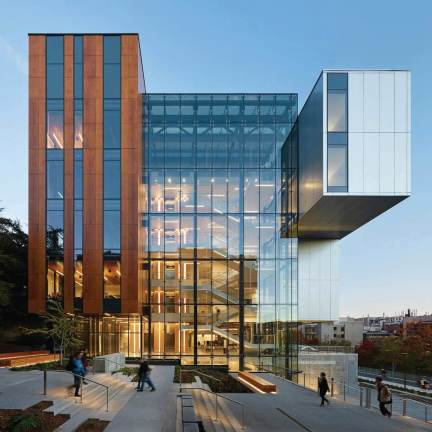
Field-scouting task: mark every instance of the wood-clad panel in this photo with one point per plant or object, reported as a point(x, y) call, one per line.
point(37, 113)
point(68, 175)
point(130, 166)
point(93, 175)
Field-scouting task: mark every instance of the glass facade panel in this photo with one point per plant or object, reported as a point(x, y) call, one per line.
point(112, 172)
point(217, 259)
point(337, 128)
point(54, 167)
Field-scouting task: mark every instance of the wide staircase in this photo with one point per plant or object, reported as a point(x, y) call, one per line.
point(103, 397)
point(197, 405)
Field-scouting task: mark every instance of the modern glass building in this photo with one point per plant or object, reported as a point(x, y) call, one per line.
point(200, 228)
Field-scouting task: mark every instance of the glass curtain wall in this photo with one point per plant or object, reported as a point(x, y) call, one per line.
point(55, 166)
point(218, 278)
point(111, 169)
point(78, 172)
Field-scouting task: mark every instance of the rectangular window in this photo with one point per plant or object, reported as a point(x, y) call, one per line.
point(337, 168)
point(112, 230)
point(337, 132)
point(111, 179)
point(337, 116)
point(54, 179)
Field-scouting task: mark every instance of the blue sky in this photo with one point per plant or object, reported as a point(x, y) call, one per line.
point(258, 46)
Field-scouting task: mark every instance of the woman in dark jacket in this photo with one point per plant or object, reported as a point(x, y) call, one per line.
point(323, 388)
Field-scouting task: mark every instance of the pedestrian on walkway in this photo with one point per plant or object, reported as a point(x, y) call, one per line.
point(383, 396)
point(77, 369)
point(85, 363)
point(323, 388)
point(144, 377)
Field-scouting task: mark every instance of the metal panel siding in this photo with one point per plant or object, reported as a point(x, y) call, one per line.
point(387, 159)
point(371, 163)
point(318, 280)
point(355, 163)
point(387, 102)
point(68, 175)
point(402, 102)
point(355, 102)
point(130, 169)
point(371, 101)
point(401, 163)
point(93, 174)
point(37, 204)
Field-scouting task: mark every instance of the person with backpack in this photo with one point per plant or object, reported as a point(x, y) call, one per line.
point(383, 396)
point(75, 365)
point(144, 377)
point(323, 388)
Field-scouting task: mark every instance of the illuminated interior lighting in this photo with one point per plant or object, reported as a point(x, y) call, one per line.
point(234, 219)
point(59, 144)
point(219, 253)
point(118, 272)
point(172, 188)
point(264, 185)
point(217, 211)
point(265, 227)
point(216, 195)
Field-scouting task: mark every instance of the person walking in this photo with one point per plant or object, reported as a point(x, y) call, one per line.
point(323, 388)
point(85, 363)
point(78, 370)
point(383, 396)
point(144, 377)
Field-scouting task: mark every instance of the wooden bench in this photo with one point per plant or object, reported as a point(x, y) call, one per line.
point(258, 382)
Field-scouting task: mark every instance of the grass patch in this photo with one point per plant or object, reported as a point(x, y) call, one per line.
point(225, 384)
point(55, 365)
point(92, 425)
point(32, 419)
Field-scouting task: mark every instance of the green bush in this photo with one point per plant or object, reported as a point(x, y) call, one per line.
point(26, 422)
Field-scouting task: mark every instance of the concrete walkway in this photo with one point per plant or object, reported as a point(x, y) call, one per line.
point(150, 411)
point(296, 409)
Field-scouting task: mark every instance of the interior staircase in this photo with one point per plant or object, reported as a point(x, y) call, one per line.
point(120, 389)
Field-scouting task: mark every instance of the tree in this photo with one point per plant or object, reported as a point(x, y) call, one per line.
point(367, 352)
point(13, 268)
point(61, 328)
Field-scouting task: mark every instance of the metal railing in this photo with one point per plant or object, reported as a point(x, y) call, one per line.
point(81, 378)
point(117, 363)
point(198, 372)
point(401, 400)
point(216, 395)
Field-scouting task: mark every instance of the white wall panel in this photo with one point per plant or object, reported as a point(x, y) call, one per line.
point(387, 99)
point(318, 270)
point(371, 101)
point(401, 163)
point(408, 142)
point(355, 163)
point(402, 102)
point(355, 102)
point(371, 163)
point(387, 160)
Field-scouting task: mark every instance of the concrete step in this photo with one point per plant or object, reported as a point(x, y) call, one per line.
point(94, 401)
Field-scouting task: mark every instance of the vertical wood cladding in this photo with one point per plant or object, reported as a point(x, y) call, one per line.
point(68, 174)
point(130, 168)
point(93, 174)
point(37, 194)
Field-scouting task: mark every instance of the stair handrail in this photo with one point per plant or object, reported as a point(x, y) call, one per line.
point(242, 405)
point(198, 372)
point(81, 377)
point(113, 361)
